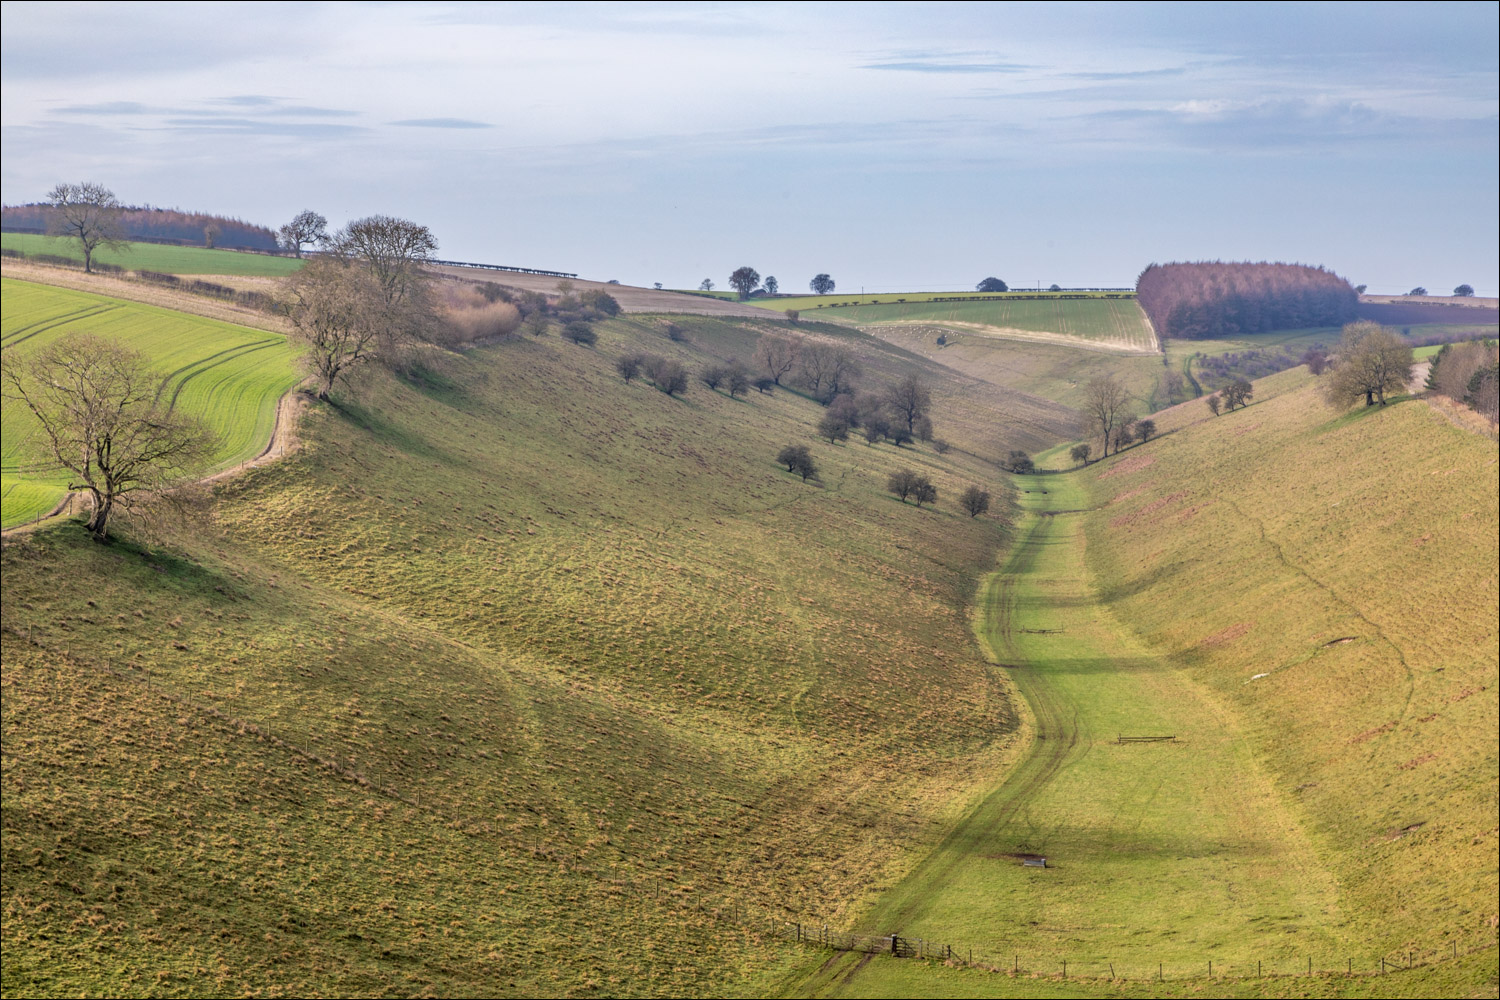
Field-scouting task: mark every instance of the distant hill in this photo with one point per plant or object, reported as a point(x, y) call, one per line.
point(158, 225)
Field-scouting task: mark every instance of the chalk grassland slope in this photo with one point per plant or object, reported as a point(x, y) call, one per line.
point(523, 681)
point(1333, 577)
point(1055, 371)
point(971, 413)
point(632, 299)
point(158, 257)
point(1471, 975)
point(229, 376)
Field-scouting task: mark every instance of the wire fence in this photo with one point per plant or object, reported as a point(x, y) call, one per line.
point(1019, 963)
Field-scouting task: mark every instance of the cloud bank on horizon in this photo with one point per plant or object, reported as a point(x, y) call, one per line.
point(896, 146)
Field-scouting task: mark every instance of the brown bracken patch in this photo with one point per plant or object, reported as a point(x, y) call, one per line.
point(1418, 761)
point(1135, 463)
point(1148, 510)
point(1226, 634)
point(1370, 734)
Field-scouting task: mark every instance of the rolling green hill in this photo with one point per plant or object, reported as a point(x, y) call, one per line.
point(230, 376)
point(158, 257)
point(520, 679)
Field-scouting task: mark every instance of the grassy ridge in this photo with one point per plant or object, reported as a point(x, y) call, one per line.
point(158, 257)
point(228, 375)
point(1333, 578)
point(606, 687)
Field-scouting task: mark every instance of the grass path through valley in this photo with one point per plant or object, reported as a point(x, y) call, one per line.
point(1171, 853)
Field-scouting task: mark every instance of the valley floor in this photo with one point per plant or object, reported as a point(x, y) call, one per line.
point(1161, 857)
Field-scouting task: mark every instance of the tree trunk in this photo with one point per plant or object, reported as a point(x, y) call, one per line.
point(88, 259)
point(99, 519)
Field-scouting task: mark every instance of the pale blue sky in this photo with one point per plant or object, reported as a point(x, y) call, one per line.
point(892, 145)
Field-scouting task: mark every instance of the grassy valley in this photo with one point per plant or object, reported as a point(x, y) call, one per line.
point(520, 678)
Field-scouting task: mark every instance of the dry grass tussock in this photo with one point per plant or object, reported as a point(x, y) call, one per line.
point(466, 317)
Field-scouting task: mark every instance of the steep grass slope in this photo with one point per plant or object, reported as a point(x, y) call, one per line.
point(519, 679)
point(229, 376)
point(1333, 578)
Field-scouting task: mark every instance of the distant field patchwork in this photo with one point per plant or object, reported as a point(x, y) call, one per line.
point(158, 257)
point(229, 375)
point(1115, 321)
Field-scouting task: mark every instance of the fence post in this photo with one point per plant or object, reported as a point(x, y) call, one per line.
point(1065, 968)
point(1210, 968)
point(1159, 976)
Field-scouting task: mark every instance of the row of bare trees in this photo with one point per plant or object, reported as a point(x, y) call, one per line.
point(1467, 373)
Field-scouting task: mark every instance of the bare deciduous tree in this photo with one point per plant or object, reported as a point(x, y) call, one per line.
point(821, 284)
point(629, 366)
point(88, 214)
point(798, 459)
point(336, 309)
point(827, 368)
point(909, 400)
point(744, 280)
point(1080, 453)
point(777, 355)
point(105, 420)
point(974, 501)
point(307, 229)
point(394, 250)
point(1104, 404)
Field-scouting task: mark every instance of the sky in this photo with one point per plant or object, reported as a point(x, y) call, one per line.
point(894, 146)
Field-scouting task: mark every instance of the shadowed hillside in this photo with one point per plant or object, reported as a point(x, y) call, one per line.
point(516, 679)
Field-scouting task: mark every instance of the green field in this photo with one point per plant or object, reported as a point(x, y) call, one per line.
point(230, 376)
point(1114, 321)
point(158, 257)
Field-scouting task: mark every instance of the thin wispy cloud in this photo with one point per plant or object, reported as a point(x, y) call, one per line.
point(900, 137)
point(460, 123)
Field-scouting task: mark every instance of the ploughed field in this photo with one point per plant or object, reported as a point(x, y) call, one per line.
point(230, 376)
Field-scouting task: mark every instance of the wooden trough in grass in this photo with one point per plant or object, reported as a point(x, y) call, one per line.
point(1145, 739)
